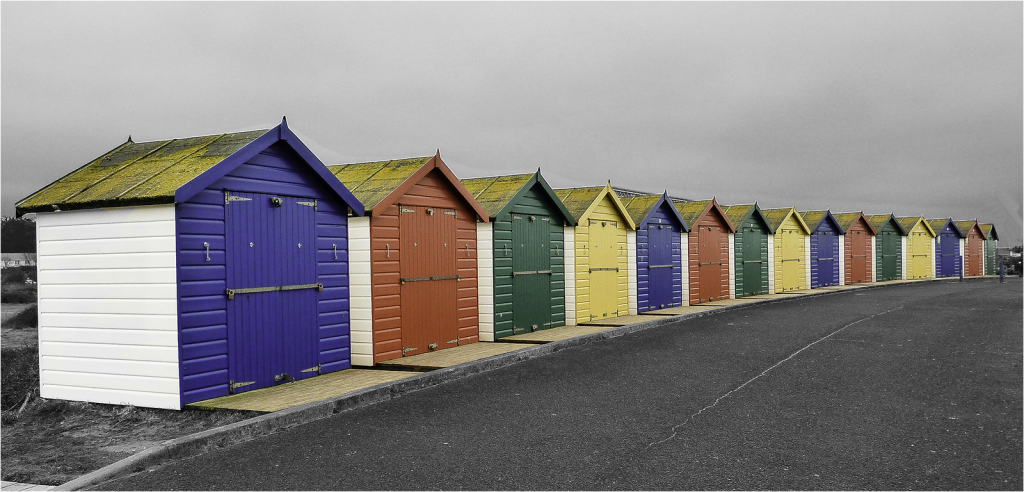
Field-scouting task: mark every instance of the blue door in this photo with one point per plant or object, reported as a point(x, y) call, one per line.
point(271, 288)
point(949, 254)
point(828, 267)
point(659, 264)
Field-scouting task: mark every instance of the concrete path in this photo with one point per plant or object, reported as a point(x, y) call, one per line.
point(15, 486)
point(913, 386)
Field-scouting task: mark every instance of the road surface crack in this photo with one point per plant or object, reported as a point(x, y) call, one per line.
point(675, 429)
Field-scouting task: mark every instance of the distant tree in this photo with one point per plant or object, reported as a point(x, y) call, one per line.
point(1017, 249)
point(17, 235)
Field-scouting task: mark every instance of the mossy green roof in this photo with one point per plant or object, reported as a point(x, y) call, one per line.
point(938, 224)
point(738, 213)
point(371, 182)
point(639, 206)
point(776, 216)
point(990, 231)
point(847, 219)
point(495, 192)
point(813, 218)
point(137, 173)
point(691, 211)
point(578, 200)
point(909, 223)
point(878, 221)
point(965, 226)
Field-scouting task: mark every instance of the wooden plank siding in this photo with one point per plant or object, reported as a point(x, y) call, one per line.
point(535, 202)
point(754, 226)
point(108, 307)
point(433, 190)
point(202, 315)
point(858, 259)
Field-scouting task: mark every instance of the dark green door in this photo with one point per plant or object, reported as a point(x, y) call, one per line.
point(755, 269)
point(531, 273)
point(890, 255)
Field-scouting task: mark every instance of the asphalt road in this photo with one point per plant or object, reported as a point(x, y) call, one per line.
point(913, 386)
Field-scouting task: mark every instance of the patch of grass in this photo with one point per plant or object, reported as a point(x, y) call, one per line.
point(18, 294)
point(19, 374)
point(27, 318)
point(53, 441)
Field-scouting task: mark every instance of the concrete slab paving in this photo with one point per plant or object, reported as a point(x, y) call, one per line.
point(451, 357)
point(684, 309)
point(626, 320)
point(729, 302)
point(305, 391)
point(554, 334)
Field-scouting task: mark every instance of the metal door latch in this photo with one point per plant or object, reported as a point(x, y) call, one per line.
point(335, 246)
point(315, 369)
point(232, 385)
point(275, 201)
point(284, 377)
point(406, 350)
point(432, 346)
point(207, 245)
point(456, 341)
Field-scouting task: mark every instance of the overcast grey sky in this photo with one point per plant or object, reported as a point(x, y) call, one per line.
point(913, 108)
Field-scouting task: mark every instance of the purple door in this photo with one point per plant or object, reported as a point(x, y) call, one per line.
point(659, 264)
point(271, 289)
point(828, 266)
point(949, 254)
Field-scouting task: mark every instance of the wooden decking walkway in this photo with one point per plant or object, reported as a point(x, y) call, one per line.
point(452, 356)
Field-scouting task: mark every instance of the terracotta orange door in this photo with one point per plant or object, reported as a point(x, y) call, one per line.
point(428, 279)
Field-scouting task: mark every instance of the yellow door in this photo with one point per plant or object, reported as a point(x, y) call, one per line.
point(792, 261)
point(919, 245)
point(604, 275)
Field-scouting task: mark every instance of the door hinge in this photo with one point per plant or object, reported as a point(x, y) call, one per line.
point(232, 385)
point(456, 341)
point(452, 213)
point(228, 198)
point(308, 204)
point(404, 210)
point(407, 350)
point(315, 369)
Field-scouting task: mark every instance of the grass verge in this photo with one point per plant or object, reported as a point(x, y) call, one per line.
point(50, 442)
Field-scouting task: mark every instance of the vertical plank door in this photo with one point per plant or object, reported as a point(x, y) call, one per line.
point(531, 273)
point(271, 282)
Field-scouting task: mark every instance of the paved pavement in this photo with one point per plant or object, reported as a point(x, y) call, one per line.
point(914, 386)
point(19, 487)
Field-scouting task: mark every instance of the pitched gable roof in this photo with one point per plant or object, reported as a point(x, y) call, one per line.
point(168, 171)
point(814, 218)
point(909, 223)
point(990, 231)
point(497, 194)
point(847, 219)
point(878, 221)
point(580, 201)
point(938, 225)
point(777, 216)
point(738, 214)
point(641, 206)
point(380, 184)
point(691, 212)
point(965, 227)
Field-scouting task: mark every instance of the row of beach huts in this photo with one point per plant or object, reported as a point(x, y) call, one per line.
point(176, 271)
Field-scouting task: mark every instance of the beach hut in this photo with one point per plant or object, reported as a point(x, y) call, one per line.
point(521, 267)
point(792, 249)
point(858, 238)
point(826, 248)
point(991, 238)
point(752, 255)
point(948, 247)
point(659, 252)
point(414, 259)
point(708, 244)
point(597, 259)
point(888, 248)
point(973, 247)
point(919, 248)
point(175, 271)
